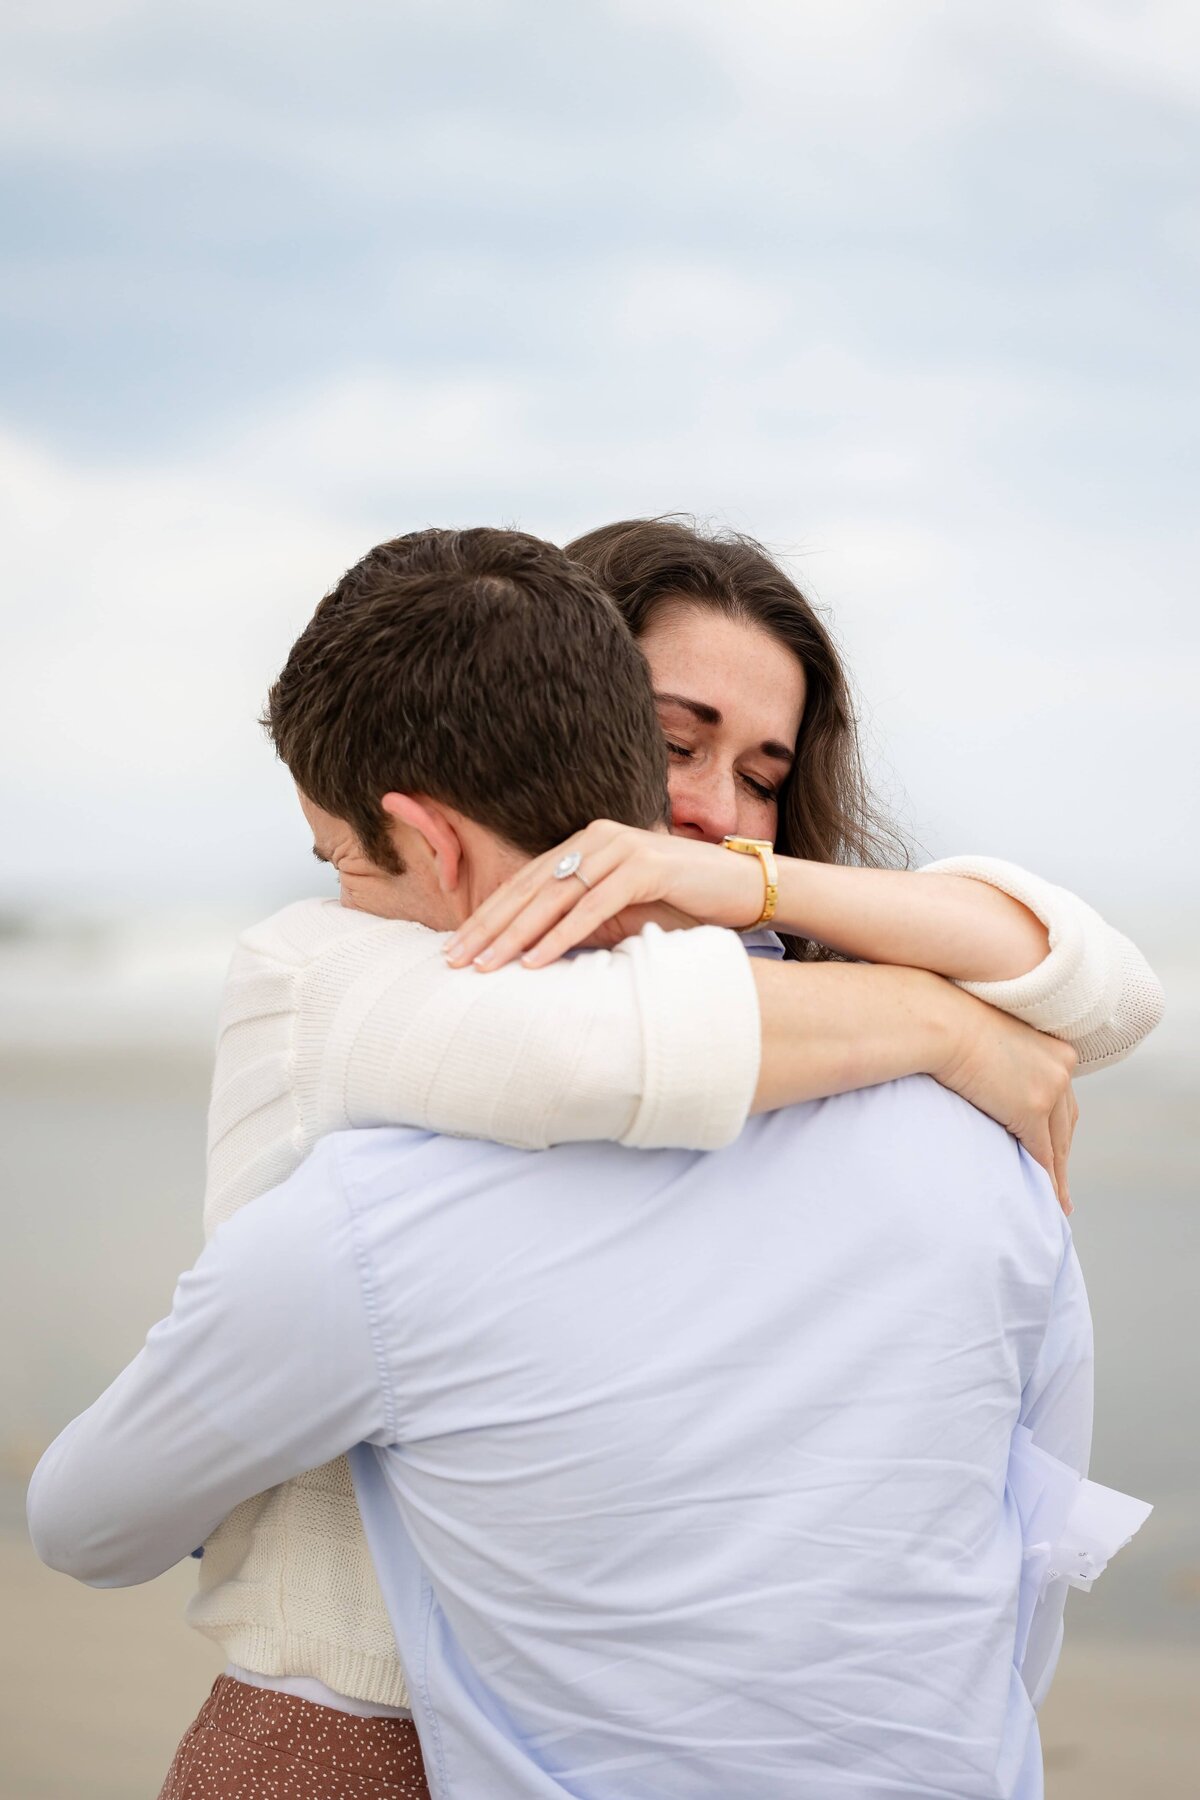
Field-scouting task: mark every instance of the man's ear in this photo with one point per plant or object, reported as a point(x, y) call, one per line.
point(435, 832)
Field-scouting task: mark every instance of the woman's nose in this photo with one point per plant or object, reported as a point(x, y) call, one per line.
point(703, 806)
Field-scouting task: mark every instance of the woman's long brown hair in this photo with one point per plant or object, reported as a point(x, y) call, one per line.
point(827, 812)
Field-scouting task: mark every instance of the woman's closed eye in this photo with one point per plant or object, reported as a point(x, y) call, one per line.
point(759, 789)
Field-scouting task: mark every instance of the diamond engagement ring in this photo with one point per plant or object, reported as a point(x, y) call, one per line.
point(568, 865)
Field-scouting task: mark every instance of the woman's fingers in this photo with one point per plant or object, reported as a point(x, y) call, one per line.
point(546, 929)
point(1049, 1143)
point(587, 920)
point(1039, 1143)
point(498, 911)
point(519, 916)
point(697, 881)
point(530, 920)
point(535, 881)
point(613, 911)
point(1062, 1132)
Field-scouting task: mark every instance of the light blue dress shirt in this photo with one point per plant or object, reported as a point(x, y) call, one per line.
point(684, 1475)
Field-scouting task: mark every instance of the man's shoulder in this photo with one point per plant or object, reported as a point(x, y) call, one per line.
point(314, 947)
point(284, 1239)
point(911, 1101)
point(911, 1104)
point(369, 1159)
point(307, 930)
point(386, 1176)
point(914, 1144)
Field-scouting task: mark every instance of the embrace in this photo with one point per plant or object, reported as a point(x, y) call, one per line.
point(639, 1350)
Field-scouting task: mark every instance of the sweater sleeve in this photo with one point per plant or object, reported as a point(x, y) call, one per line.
point(1094, 989)
point(333, 1020)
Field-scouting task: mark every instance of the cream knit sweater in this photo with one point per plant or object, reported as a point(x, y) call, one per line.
point(332, 1019)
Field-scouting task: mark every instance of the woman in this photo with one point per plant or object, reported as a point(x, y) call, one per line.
point(755, 709)
point(287, 1586)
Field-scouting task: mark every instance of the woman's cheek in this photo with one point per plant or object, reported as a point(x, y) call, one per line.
point(764, 820)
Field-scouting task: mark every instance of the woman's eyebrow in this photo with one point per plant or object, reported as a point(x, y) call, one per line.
point(778, 752)
point(709, 715)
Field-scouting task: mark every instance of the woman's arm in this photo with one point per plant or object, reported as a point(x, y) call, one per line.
point(862, 1025)
point(1094, 990)
point(1010, 938)
point(335, 1019)
point(1019, 943)
point(332, 1018)
point(965, 930)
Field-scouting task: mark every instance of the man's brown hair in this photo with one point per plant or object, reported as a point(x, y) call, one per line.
point(480, 668)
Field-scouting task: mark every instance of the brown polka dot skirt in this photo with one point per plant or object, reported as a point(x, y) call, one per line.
point(254, 1744)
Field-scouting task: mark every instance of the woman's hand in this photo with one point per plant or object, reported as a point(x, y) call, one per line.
point(626, 878)
point(1022, 1079)
point(830, 1027)
point(1016, 1075)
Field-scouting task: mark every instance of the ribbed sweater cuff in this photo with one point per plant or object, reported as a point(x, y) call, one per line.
point(1067, 984)
point(703, 1039)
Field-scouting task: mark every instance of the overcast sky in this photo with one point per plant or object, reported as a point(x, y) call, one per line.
point(909, 291)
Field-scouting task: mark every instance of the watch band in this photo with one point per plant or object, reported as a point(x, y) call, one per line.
point(765, 852)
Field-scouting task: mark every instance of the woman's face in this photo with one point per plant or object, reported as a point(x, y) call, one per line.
point(730, 701)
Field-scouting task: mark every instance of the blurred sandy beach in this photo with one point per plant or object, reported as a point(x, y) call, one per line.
point(101, 1128)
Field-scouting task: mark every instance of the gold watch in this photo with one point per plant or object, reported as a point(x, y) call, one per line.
point(765, 852)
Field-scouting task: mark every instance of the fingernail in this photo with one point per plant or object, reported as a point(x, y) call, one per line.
point(485, 959)
point(451, 948)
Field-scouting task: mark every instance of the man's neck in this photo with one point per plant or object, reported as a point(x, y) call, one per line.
point(486, 862)
point(485, 867)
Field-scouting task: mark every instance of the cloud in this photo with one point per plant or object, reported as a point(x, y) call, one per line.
point(1014, 675)
point(940, 65)
point(251, 205)
point(905, 291)
point(1149, 46)
point(147, 607)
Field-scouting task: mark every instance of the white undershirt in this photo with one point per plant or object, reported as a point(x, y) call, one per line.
point(307, 1687)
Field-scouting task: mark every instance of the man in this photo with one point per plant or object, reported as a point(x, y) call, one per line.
point(599, 1494)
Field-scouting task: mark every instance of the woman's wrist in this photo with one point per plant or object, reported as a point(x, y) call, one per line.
point(745, 875)
point(965, 930)
point(954, 1021)
point(798, 905)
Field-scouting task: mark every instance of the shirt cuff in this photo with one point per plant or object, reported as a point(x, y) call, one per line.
point(698, 1007)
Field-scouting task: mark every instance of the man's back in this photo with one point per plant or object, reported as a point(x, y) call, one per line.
point(697, 1480)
